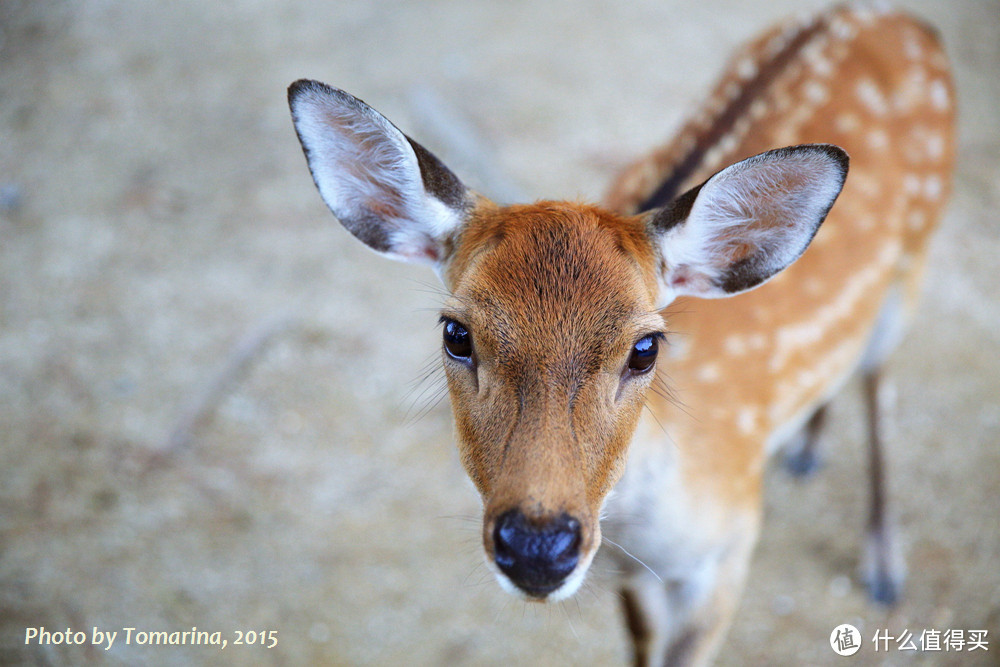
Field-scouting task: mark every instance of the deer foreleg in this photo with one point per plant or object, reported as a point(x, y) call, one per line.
point(683, 622)
point(882, 564)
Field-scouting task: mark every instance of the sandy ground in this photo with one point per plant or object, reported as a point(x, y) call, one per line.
point(156, 214)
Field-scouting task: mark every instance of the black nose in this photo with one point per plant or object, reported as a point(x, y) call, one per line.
point(538, 555)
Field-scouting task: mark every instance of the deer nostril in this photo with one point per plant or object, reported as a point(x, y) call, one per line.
point(536, 556)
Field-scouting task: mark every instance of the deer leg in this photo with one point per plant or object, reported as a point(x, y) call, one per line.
point(667, 630)
point(882, 565)
point(647, 618)
point(696, 641)
point(802, 457)
point(682, 622)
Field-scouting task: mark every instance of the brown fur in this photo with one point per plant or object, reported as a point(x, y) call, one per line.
point(556, 295)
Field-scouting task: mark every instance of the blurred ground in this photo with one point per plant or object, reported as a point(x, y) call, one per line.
point(155, 209)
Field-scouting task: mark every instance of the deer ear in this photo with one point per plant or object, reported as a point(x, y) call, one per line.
point(385, 188)
point(747, 222)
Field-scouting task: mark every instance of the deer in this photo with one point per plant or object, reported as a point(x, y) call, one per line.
point(622, 372)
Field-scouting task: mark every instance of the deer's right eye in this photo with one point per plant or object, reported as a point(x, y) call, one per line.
point(644, 354)
point(457, 341)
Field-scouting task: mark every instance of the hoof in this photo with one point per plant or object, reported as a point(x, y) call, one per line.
point(883, 567)
point(883, 589)
point(803, 462)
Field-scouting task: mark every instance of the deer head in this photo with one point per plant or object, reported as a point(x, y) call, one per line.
point(553, 323)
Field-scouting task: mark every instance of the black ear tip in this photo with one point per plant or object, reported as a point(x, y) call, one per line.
point(309, 89)
point(297, 87)
point(835, 153)
point(305, 86)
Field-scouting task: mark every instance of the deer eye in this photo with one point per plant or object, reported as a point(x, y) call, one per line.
point(643, 354)
point(457, 341)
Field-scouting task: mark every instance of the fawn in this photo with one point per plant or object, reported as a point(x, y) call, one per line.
point(554, 328)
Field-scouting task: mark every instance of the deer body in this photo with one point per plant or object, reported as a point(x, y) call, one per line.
point(553, 327)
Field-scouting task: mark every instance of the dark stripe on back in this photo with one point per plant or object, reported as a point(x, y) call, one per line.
point(724, 122)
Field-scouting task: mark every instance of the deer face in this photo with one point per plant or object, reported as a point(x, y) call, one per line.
point(549, 344)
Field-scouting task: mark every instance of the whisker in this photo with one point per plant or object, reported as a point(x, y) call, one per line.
point(429, 288)
point(569, 621)
point(461, 518)
point(483, 573)
point(652, 414)
point(664, 388)
point(429, 384)
point(624, 551)
point(433, 404)
point(425, 392)
point(431, 364)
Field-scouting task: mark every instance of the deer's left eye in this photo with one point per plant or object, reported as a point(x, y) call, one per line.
point(457, 341)
point(644, 353)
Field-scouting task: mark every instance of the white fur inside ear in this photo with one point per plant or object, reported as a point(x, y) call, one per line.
point(756, 216)
point(368, 174)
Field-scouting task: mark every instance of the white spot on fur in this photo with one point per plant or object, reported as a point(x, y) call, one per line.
point(846, 122)
point(863, 12)
point(933, 188)
point(816, 92)
point(877, 139)
point(871, 97)
point(819, 64)
point(728, 143)
point(746, 68)
point(806, 378)
point(741, 126)
point(940, 99)
point(679, 347)
point(935, 146)
point(735, 345)
point(882, 7)
point(713, 157)
point(911, 90)
point(708, 373)
point(842, 29)
point(746, 421)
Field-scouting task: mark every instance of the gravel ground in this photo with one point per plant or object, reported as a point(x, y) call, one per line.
point(156, 217)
